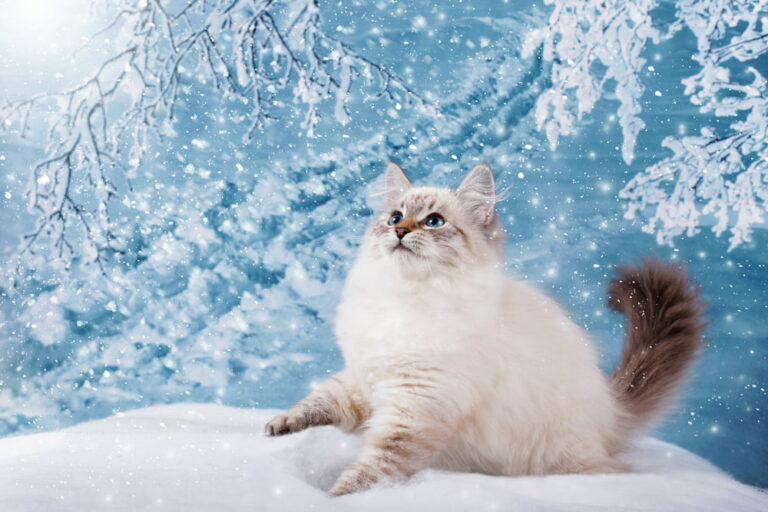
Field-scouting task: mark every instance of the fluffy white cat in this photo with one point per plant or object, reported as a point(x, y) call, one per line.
point(451, 363)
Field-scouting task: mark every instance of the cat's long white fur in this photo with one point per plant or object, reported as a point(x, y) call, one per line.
point(452, 363)
point(506, 368)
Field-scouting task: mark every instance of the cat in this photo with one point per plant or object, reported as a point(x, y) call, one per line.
point(451, 363)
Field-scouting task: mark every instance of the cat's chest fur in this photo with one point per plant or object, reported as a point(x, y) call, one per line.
point(385, 315)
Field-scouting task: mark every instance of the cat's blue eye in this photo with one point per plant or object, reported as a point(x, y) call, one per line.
point(395, 218)
point(435, 220)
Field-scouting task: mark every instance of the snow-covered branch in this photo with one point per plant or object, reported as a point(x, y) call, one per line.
point(720, 173)
point(254, 51)
point(591, 43)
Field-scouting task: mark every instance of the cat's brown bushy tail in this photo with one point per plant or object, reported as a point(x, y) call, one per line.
point(665, 325)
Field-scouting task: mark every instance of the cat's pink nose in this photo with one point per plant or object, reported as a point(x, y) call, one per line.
point(401, 231)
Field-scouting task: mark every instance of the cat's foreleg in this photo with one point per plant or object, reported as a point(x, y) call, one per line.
point(399, 442)
point(337, 401)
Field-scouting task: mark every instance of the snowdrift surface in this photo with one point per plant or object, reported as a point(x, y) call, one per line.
point(210, 457)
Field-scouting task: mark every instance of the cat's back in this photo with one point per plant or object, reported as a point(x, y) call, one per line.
point(539, 330)
point(551, 362)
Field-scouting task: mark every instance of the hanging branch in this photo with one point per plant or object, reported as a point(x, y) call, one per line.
point(590, 44)
point(251, 50)
point(713, 174)
point(724, 175)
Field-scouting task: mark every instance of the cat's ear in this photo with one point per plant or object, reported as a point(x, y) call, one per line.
point(395, 182)
point(477, 193)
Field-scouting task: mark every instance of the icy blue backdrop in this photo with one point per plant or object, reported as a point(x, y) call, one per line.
point(240, 250)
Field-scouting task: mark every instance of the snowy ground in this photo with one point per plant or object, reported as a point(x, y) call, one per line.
point(210, 457)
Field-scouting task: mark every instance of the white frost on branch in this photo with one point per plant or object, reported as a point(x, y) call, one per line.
point(591, 43)
point(720, 173)
point(253, 51)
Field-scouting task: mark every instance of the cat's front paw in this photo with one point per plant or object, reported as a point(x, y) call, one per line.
point(358, 477)
point(287, 423)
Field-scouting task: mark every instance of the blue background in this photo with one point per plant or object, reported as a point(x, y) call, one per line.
point(239, 250)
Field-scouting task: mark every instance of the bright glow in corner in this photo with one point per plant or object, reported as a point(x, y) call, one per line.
point(43, 27)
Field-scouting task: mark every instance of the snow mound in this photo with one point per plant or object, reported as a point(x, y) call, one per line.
point(211, 457)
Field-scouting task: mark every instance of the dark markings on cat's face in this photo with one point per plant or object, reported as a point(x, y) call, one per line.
point(456, 243)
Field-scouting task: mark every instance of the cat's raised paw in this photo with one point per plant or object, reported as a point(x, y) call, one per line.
point(286, 424)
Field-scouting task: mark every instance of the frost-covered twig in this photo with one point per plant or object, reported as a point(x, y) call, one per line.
point(590, 43)
point(254, 51)
point(724, 175)
point(715, 173)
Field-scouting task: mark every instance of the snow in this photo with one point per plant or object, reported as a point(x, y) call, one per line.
point(212, 457)
point(235, 251)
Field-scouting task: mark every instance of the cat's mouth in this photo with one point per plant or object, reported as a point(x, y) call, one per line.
point(400, 247)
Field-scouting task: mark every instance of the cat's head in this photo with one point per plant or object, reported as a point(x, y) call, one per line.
point(425, 230)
